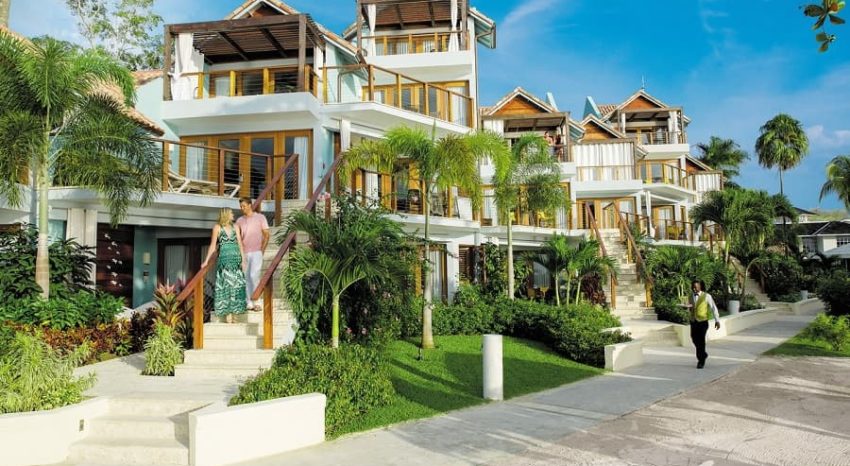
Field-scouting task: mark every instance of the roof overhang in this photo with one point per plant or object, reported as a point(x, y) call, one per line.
point(250, 39)
point(530, 122)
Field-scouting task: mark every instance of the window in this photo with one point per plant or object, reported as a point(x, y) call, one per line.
point(842, 240)
point(810, 245)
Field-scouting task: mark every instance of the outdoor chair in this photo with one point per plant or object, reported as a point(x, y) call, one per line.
point(181, 184)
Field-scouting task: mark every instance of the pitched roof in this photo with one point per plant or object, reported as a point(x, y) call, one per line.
point(608, 109)
point(518, 92)
point(246, 9)
point(605, 126)
point(108, 90)
point(143, 77)
point(834, 227)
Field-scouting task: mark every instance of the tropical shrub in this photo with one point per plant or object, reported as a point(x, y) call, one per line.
point(494, 279)
point(834, 291)
point(35, 377)
point(833, 330)
point(673, 268)
point(79, 309)
point(357, 242)
point(70, 265)
point(105, 341)
point(468, 295)
point(162, 352)
point(779, 274)
point(352, 377)
point(791, 297)
point(140, 329)
point(574, 331)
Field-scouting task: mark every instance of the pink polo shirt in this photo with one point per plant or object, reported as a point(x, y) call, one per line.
point(252, 227)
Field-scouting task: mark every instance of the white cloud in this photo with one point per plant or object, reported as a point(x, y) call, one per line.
point(526, 9)
point(819, 136)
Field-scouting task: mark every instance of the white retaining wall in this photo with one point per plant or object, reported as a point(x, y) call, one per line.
point(807, 307)
point(45, 437)
point(623, 355)
point(220, 434)
point(730, 325)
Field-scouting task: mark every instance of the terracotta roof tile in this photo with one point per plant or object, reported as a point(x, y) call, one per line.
point(143, 77)
point(605, 109)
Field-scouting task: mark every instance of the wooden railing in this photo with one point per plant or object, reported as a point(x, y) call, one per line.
point(651, 138)
point(633, 253)
point(220, 171)
point(675, 230)
point(385, 192)
point(606, 172)
point(265, 287)
point(665, 173)
point(193, 296)
point(253, 81)
point(413, 43)
point(369, 83)
point(595, 230)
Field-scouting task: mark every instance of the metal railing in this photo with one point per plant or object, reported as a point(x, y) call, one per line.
point(675, 230)
point(369, 83)
point(405, 44)
point(253, 81)
point(372, 187)
point(665, 173)
point(190, 168)
point(652, 138)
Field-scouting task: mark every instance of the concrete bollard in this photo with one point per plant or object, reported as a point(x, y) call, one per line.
point(493, 377)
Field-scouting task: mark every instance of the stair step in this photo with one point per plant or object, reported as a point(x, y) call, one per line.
point(151, 427)
point(207, 356)
point(235, 329)
point(219, 370)
point(232, 342)
point(129, 406)
point(134, 451)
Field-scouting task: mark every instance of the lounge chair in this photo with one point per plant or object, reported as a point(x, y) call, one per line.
point(180, 184)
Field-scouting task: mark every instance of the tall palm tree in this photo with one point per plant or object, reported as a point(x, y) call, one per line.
point(838, 179)
point(66, 117)
point(783, 143)
point(526, 176)
point(555, 255)
point(441, 163)
point(723, 154)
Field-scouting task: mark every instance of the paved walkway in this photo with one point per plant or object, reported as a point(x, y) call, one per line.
point(506, 432)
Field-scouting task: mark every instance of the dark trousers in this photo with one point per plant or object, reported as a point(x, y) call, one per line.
point(698, 331)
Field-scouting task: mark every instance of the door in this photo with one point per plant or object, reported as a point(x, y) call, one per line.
point(663, 219)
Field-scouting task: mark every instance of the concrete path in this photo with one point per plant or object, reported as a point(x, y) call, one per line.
point(505, 432)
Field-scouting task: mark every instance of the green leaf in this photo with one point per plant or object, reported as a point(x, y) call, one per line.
point(822, 37)
point(836, 20)
point(824, 47)
point(819, 23)
point(814, 11)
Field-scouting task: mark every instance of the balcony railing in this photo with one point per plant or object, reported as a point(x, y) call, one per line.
point(606, 173)
point(665, 173)
point(653, 138)
point(220, 171)
point(707, 181)
point(674, 230)
point(522, 216)
point(254, 81)
point(369, 83)
point(403, 195)
point(412, 43)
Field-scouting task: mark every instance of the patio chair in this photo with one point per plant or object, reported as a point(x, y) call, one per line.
point(178, 183)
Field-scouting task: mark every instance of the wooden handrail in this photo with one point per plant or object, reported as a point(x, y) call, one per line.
point(624, 228)
point(290, 238)
point(595, 229)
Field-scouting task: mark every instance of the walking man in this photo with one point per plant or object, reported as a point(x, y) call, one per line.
point(254, 229)
point(701, 303)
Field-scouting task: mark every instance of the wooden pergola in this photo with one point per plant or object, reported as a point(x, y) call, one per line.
point(261, 38)
point(407, 14)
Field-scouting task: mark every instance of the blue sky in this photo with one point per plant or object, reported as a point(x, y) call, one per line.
point(731, 64)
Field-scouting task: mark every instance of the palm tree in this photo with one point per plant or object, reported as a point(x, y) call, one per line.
point(680, 265)
point(66, 117)
point(556, 255)
point(738, 212)
point(783, 144)
point(838, 179)
point(590, 263)
point(5, 5)
point(441, 163)
point(526, 176)
point(722, 154)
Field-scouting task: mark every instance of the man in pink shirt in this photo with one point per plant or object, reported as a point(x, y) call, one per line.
point(254, 229)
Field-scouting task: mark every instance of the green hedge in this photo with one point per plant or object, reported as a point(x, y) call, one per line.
point(834, 291)
point(574, 331)
point(351, 376)
point(79, 309)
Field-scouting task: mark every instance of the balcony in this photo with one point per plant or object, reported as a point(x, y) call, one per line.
point(606, 173)
point(408, 44)
point(665, 173)
point(369, 83)
point(254, 81)
point(657, 137)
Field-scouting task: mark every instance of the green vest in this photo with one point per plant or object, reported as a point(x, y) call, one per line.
point(699, 312)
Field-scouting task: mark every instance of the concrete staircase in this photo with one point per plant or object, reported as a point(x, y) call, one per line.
point(631, 293)
point(236, 350)
point(138, 431)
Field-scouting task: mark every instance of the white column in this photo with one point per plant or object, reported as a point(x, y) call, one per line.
point(452, 269)
point(493, 375)
point(574, 210)
point(623, 122)
point(649, 213)
point(637, 204)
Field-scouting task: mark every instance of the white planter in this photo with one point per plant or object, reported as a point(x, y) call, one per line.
point(804, 295)
point(734, 306)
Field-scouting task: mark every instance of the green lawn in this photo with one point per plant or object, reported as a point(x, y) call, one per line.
point(449, 377)
point(799, 346)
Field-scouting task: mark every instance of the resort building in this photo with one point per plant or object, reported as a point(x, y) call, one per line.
point(262, 103)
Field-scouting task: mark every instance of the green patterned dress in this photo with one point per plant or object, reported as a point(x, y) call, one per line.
point(229, 278)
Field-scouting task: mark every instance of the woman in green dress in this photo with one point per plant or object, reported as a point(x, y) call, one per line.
point(230, 269)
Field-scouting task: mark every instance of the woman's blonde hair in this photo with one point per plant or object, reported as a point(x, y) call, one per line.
point(225, 217)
